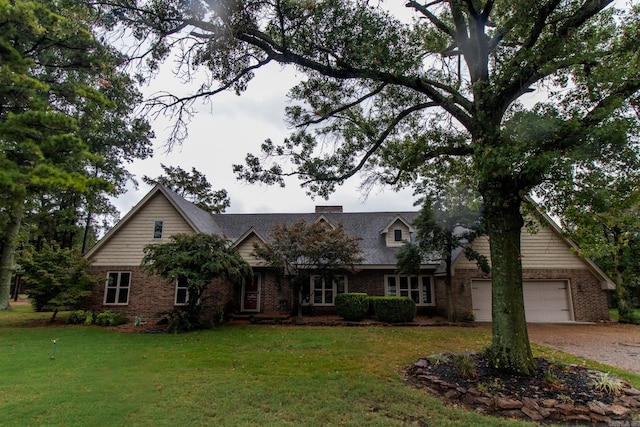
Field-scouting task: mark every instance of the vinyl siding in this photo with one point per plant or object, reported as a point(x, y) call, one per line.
point(245, 248)
point(390, 237)
point(125, 247)
point(542, 249)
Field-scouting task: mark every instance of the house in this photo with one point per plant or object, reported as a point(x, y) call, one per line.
point(559, 286)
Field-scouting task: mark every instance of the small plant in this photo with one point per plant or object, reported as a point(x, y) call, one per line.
point(466, 366)
point(559, 365)
point(564, 398)
point(605, 383)
point(88, 319)
point(109, 318)
point(552, 381)
point(137, 321)
point(218, 315)
point(438, 359)
point(489, 387)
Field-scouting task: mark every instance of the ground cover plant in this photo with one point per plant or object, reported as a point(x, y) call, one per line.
point(242, 375)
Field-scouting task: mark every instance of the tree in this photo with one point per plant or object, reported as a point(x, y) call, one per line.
point(52, 95)
point(56, 278)
point(299, 251)
point(599, 211)
point(195, 260)
point(522, 90)
point(447, 222)
point(193, 186)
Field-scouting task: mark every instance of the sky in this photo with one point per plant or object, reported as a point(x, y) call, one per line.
point(225, 130)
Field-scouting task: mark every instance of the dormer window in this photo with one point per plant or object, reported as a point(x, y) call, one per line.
point(157, 230)
point(397, 235)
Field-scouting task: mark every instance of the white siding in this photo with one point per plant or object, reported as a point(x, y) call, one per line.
point(125, 246)
point(542, 249)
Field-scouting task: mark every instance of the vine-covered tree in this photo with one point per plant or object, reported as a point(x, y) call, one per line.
point(523, 90)
point(195, 260)
point(299, 251)
point(193, 186)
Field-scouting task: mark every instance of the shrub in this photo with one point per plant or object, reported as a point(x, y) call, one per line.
point(352, 306)
point(77, 317)
point(394, 309)
point(185, 319)
point(109, 318)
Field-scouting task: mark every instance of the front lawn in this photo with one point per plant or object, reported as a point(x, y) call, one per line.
point(243, 375)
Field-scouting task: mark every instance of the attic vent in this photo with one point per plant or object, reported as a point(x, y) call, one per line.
point(327, 209)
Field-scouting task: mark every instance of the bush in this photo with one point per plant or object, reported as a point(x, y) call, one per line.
point(77, 317)
point(352, 306)
point(394, 309)
point(109, 318)
point(626, 314)
point(185, 319)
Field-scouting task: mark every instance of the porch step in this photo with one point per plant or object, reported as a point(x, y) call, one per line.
point(260, 316)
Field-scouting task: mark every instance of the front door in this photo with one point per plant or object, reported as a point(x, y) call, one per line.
point(251, 295)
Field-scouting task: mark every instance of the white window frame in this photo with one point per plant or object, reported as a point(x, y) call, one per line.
point(118, 287)
point(310, 300)
point(179, 288)
point(403, 288)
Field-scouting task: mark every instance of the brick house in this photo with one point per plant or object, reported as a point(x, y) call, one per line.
point(559, 286)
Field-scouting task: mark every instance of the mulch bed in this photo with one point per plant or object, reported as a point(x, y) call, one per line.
point(557, 392)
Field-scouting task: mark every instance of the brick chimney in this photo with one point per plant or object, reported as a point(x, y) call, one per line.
point(328, 209)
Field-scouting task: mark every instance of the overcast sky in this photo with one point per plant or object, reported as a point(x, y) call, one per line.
point(223, 132)
point(228, 128)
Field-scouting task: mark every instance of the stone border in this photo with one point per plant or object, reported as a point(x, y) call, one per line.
point(625, 406)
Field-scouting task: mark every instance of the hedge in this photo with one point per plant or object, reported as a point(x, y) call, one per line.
point(394, 309)
point(352, 306)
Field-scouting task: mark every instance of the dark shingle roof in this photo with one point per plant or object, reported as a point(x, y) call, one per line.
point(366, 225)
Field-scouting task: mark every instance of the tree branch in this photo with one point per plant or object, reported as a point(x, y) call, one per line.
point(343, 107)
point(527, 75)
point(424, 9)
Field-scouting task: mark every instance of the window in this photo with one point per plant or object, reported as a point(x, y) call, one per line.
point(322, 291)
point(418, 288)
point(157, 230)
point(117, 288)
point(182, 292)
point(397, 235)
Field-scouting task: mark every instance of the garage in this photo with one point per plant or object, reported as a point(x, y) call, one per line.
point(544, 301)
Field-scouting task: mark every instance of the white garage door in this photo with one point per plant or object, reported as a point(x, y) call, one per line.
point(544, 301)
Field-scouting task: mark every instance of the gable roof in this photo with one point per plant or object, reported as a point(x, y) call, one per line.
point(198, 219)
point(365, 225)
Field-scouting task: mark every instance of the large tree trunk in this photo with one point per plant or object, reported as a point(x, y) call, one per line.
point(16, 212)
point(510, 349)
point(452, 313)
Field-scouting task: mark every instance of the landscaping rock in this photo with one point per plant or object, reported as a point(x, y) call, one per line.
point(527, 398)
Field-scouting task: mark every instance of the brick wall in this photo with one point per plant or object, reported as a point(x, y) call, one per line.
point(150, 295)
point(588, 299)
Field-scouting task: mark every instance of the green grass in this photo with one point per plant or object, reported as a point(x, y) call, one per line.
point(613, 313)
point(253, 375)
